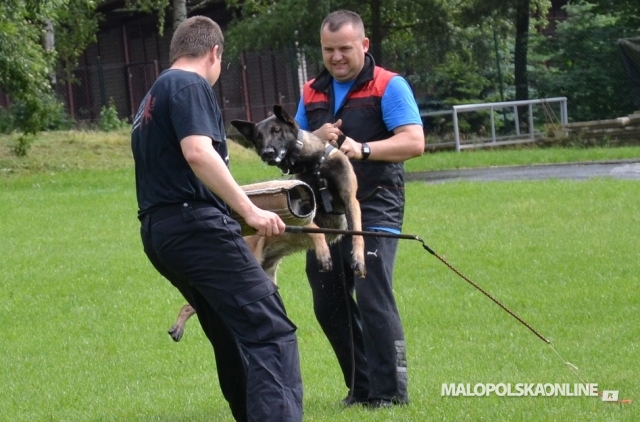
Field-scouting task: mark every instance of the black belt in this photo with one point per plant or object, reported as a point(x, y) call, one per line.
point(162, 212)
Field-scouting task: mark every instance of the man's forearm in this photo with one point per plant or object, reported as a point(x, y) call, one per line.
point(209, 167)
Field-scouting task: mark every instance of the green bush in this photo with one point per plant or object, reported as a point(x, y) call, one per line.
point(109, 120)
point(24, 143)
point(45, 115)
point(30, 116)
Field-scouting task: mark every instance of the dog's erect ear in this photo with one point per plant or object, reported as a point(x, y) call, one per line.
point(248, 132)
point(246, 129)
point(282, 115)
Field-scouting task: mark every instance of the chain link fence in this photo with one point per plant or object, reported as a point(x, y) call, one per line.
point(247, 89)
point(589, 71)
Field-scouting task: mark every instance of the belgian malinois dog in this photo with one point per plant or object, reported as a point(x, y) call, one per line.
point(280, 142)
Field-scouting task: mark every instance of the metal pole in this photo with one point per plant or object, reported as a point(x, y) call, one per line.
point(531, 121)
point(493, 126)
point(245, 87)
point(127, 70)
point(456, 130)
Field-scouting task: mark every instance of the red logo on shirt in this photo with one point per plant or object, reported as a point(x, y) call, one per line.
point(148, 108)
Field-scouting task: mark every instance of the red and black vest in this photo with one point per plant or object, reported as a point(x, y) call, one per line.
point(361, 115)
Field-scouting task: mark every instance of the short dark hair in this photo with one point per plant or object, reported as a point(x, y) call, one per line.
point(336, 20)
point(194, 37)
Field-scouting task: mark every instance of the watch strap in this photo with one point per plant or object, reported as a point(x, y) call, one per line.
point(366, 151)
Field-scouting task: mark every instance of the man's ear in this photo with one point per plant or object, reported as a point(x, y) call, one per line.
point(247, 130)
point(215, 51)
point(365, 44)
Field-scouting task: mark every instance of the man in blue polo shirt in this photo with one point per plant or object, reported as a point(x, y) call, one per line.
point(377, 112)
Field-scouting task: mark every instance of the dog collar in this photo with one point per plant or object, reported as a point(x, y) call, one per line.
point(288, 165)
point(295, 154)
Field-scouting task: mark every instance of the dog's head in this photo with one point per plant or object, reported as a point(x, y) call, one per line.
point(274, 138)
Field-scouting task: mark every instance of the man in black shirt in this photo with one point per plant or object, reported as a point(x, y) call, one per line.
point(185, 192)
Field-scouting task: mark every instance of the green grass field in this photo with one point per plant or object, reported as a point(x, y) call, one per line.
point(84, 315)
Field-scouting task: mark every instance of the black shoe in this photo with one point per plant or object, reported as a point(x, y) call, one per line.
point(380, 404)
point(400, 402)
point(385, 404)
point(354, 401)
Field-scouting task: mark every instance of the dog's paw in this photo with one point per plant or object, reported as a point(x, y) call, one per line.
point(176, 332)
point(359, 269)
point(357, 265)
point(357, 257)
point(326, 265)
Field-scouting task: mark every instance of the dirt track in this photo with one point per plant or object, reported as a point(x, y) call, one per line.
point(619, 169)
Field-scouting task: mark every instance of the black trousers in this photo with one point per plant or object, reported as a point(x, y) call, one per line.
point(378, 337)
point(200, 251)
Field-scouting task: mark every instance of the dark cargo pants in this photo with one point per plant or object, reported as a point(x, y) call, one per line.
point(378, 337)
point(200, 251)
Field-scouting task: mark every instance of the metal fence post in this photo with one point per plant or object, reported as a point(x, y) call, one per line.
point(531, 121)
point(493, 126)
point(245, 88)
point(456, 130)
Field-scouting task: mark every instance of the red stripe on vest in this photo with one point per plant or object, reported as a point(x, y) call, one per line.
point(373, 88)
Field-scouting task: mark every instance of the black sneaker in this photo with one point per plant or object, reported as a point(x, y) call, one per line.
point(354, 401)
point(380, 404)
point(400, 402)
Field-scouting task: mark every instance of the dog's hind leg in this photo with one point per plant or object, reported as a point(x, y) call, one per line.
point(177, 330)
point(354, 221)
point(257, 244)
point(323, 255)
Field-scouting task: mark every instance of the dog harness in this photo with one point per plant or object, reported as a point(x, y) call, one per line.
point(288, 164)
point(291, 165)
point(322, 181)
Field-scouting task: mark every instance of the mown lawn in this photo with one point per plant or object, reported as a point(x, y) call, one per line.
point(84, 315)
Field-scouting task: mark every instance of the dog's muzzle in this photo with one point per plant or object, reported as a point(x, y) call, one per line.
point(272, 156)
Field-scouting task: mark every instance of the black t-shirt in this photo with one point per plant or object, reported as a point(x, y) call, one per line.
point(179, 104)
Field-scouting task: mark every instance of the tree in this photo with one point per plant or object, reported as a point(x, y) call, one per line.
point(398, 29)
point(262, 24)
point(627, 11)
point(75, 27)
point(25, 66)
point(435, 44)
point(519, 12)
point(178, 8)
point(179, 12)
point(582, 62)
point(521, 49)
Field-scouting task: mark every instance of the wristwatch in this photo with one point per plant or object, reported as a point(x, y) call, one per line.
point(366, 151)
